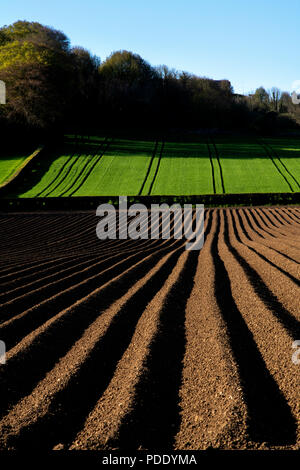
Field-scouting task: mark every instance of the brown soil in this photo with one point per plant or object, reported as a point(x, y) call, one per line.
point(141, 344)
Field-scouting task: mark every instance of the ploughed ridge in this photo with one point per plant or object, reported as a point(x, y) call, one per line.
point(142, 344)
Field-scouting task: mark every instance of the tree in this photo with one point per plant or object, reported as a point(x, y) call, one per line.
point(261, 98)
point(85, 80)
point(127, 67)
point(275, 95)
point(128, 86)
point(35, 63)
point(285, 104)
point(35, 33)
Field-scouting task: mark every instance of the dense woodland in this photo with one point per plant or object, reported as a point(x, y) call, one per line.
point(54, 88)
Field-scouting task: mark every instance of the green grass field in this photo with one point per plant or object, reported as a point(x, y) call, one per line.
point(110, 167)
point(252, 167)
point(9, 164)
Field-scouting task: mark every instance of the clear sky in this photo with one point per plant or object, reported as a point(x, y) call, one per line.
point(249, 42)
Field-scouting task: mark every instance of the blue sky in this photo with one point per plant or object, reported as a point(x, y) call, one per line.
point(249, 42)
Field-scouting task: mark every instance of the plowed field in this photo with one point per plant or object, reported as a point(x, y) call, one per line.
point(124, 344)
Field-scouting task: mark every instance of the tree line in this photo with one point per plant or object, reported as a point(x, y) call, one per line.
point(53, 88)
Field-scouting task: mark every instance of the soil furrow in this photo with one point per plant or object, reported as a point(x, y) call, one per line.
point(71, 387)
point(120, 398)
